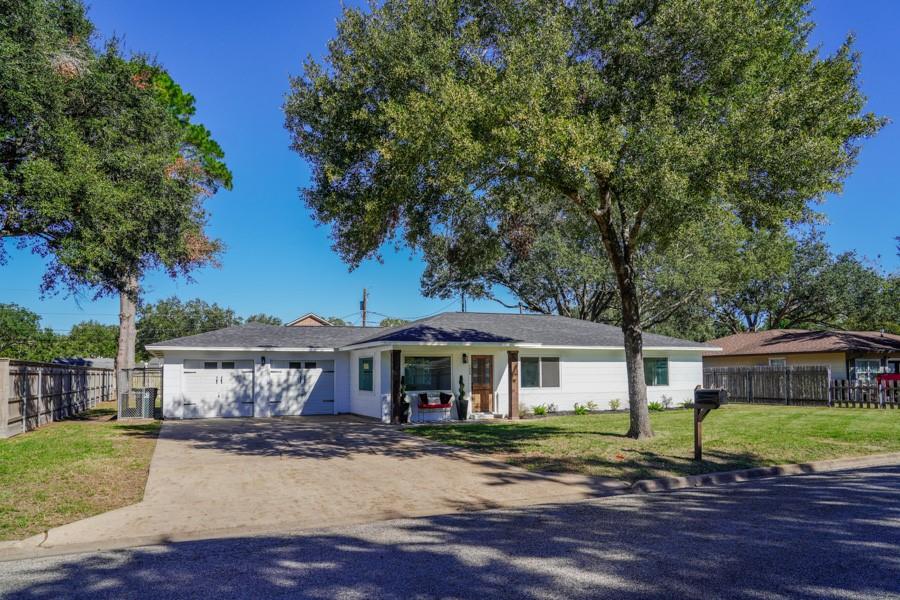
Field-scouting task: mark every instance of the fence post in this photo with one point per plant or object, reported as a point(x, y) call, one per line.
point(4, 394)
point(787, 387)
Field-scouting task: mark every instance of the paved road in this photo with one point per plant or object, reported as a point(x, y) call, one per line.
point(818, 536)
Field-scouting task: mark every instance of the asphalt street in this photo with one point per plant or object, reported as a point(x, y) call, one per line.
point(834, 535)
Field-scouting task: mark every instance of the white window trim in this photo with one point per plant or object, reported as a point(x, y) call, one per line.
point(783, 359)
point(540, 385)
point(856, 362)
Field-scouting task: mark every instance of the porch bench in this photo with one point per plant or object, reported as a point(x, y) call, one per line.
point(434, 409)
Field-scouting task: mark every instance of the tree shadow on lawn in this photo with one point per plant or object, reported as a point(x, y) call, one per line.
point(831, 535)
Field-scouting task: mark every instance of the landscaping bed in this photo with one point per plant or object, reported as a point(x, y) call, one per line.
point(734, 437)
point(72, 469)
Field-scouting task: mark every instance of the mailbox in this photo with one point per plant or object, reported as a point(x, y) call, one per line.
point(713, 398)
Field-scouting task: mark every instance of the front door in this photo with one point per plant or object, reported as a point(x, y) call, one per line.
point(482, 384)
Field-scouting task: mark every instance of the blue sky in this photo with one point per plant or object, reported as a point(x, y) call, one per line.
point(236, 57)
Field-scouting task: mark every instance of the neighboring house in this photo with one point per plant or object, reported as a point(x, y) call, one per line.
point(80, 361)
point(504, 360)
point(310, 320)
point(848, 354)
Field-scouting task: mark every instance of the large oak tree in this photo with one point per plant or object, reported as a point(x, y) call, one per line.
point(643, 116)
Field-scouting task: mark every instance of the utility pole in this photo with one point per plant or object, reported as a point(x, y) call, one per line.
point(363, 306)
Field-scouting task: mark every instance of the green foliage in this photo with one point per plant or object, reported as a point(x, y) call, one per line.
point(655, 405)
point(580, 409)
point(264, 318)
point(23, 338)
point(337, 321)
point(172, 318)
point(539, 410)
point(614, 404)
point(591, 405)
point(392, 322)
point(101, 170)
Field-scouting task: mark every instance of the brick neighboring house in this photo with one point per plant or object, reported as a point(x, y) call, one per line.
point(849, 354)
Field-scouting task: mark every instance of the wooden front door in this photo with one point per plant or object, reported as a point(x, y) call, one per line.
point(482, 384)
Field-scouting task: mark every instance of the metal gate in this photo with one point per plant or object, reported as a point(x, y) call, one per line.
point(143, 400)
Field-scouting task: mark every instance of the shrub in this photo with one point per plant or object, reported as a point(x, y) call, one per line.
point(666, 401)
point(552, 408)
point(580, 409)
point(539, 410)
point(614, 404)
point(591, 405)
point(655, 405)
point(689, 403)
point(524, 411)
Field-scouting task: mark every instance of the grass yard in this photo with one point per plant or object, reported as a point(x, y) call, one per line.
point(72, 469)
point(734, 437)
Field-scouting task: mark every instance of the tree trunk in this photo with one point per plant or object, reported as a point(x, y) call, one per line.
point(639, 415)
point(127, 335)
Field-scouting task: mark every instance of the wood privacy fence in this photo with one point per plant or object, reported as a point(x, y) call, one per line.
point(34, 394)
point(800, 386)
point(771, 385)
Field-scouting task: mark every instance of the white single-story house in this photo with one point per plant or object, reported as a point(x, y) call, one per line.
point(506, 361)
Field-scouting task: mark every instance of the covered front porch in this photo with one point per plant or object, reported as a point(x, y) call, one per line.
point(429, 378)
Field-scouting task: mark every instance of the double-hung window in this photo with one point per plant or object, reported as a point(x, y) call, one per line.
point(656, 371)
point(540, 372)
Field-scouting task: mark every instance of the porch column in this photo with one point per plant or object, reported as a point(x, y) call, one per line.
point(512, 361)
point(395, 386)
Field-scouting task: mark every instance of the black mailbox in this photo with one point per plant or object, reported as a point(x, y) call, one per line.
point(710, 398)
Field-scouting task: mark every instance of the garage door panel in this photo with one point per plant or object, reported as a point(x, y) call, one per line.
point(298, 387)
point(220, 388)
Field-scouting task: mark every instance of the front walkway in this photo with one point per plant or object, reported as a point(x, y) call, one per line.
point(218, 477)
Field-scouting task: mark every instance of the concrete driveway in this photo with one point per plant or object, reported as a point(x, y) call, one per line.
point(218, 477)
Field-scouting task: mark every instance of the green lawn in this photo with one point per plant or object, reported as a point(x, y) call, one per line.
point(72, 469)
point(734, 437)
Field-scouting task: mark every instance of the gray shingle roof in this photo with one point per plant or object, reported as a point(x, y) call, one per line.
point(498, 328)
point(261, 335)
point(506, 328)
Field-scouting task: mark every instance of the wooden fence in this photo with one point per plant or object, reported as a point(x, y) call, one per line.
point(34, 394)
point(800, 386)
point(857, 394)
point(771, 385)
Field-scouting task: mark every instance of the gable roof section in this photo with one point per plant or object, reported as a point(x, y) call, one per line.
point(515, 329)
point(794, 341)
point(262, 336)
point(298, 322)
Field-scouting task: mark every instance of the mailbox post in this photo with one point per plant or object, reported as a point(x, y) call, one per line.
point(705, 401)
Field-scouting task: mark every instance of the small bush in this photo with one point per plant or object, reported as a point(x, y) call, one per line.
point(580, 409)
point(552, 408)
point(655, 405)
point(687, 403)
point(614, 404)
point(591, 405)
point(539, 410)
point(666, 401)
point(524, 411)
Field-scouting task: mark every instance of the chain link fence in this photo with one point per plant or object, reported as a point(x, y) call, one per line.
point(143, 400)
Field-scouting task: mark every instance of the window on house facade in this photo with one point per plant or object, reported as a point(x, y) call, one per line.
point(656, 371)
point(540, 371)
point(866, 369)
point(424, 373)
point(365, 374)
point(777, 362)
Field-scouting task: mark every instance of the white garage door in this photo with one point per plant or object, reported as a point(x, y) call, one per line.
point(218, 388)
point(298, 387)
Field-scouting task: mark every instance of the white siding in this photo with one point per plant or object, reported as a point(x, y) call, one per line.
point(600, 376)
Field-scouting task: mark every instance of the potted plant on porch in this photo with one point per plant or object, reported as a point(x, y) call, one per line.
point(462, 404)
point(404, 403)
